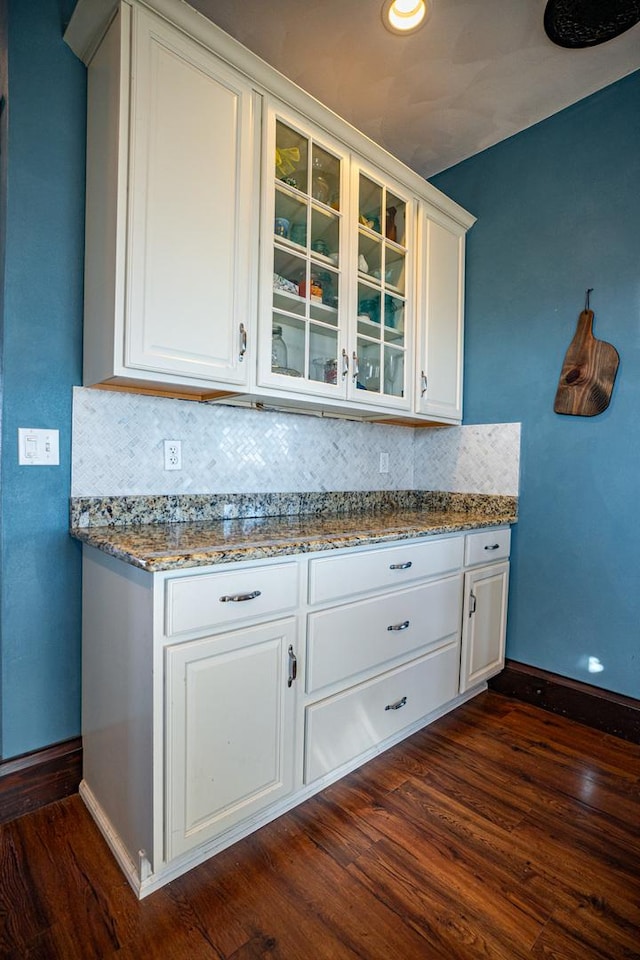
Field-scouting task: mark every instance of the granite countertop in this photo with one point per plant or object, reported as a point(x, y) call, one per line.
point(158, 546)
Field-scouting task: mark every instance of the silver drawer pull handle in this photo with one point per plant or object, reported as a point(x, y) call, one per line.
point(494, 546)
point(396, 706)
point(401, 566)
point(239, 597)
point(399, 626)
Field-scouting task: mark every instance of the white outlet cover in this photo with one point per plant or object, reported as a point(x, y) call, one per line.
point(38, 448)
point(173, 455)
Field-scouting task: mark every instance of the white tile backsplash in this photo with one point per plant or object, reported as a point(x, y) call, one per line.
point(118, 451)
point(479, 458)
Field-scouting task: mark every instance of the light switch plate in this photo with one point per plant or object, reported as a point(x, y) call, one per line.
point(38, 448)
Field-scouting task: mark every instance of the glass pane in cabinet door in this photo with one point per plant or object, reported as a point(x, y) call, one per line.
point(292, 157)
point(323, 350)
point(368, 365)
point(288, 346)
point(369, 308)
point(325, 235)
point(369, 255)
point(393, 372)
point(393, 320)
point(394, 268)
point(395, 220)
point(289, 273)
point(370, 204)
point(290, 221)
point(325, 177)
point(325, 294)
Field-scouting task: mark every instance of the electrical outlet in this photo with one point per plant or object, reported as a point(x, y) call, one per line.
point(384, 463)
point(173, 454)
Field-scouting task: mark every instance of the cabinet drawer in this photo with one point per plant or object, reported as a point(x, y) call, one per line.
point(348, 640)
point(331, 578)
point(212, 599)
point(487, 546)
point(341, 728)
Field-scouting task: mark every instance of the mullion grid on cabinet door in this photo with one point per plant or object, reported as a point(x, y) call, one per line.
point(307, 260)
point(383, 232)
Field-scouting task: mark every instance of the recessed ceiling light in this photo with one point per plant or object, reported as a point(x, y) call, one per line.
point(405, 16)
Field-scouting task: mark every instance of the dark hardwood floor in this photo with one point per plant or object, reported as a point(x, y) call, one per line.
point(501, 831)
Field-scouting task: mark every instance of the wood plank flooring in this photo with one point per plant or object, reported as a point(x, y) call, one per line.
point(501, 831)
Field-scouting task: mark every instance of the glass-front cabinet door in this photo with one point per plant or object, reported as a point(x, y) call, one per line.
point(303, 344)
point(381, 364)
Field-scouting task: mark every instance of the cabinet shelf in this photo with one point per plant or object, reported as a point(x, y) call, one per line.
point(376, 237)
point(292, 303)
point(370, 330)
point(376, 283)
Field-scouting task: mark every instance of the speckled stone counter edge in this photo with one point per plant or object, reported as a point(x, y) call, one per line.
point(186, 508)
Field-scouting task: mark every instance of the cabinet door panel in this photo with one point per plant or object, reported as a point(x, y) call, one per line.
point(439, 379)
point(484, 624)
point(206, 601)
point(346, 641)
point(341, 728)
point(383, 300)
point(229, 731)
point(190, 194)
point(331, 578)
point(302, 307)
point(485, 546)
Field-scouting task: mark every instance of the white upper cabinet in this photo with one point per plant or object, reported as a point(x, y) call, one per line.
point(245, 243)
point(441, 323)
point(178, 200)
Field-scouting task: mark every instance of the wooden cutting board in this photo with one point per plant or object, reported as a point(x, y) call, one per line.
point(588, 372)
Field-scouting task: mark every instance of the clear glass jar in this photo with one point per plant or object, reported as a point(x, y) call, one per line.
point(279, 354)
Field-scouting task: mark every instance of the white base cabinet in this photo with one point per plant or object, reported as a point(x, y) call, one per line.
point(216, 698)
point(484, 618)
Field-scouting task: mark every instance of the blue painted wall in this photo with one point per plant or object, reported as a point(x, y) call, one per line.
point(558, 210)
point(41, 346)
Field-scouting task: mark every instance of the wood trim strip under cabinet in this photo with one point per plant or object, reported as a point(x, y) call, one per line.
point(38, 778)
point(604, 710)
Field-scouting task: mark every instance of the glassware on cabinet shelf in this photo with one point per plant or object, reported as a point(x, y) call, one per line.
point(325, 177)
point(279, 353)
point(393, 372)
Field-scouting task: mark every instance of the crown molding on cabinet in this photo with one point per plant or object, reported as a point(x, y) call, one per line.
point(91, 18)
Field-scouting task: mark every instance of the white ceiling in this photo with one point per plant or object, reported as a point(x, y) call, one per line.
point(478, 72)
